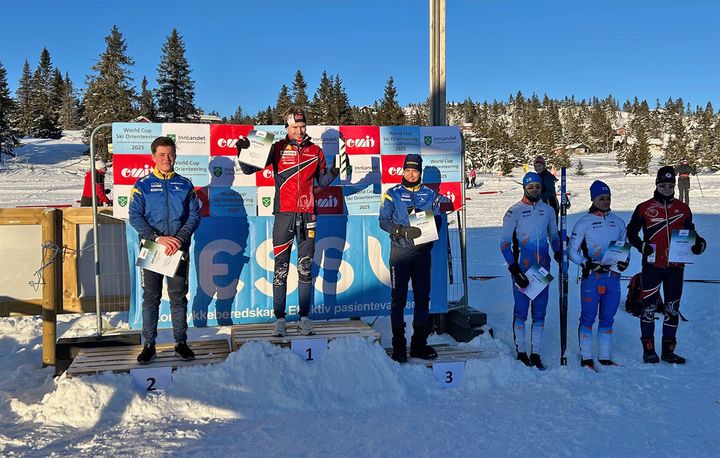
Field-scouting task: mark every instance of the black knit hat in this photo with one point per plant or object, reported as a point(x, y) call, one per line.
point(413, 161)
point(665, 174)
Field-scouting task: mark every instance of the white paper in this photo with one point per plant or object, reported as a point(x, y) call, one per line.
point(425, 221)
point(259, 150)
point(681, 242)
point(310, 350)
point(616, 251)
point(539, 279)
point(152, 257)
point(152, 379)
point(450, 374)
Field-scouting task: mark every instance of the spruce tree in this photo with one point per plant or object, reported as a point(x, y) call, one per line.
point(109, 95)
point(146, 106)
point(321, 107)
point(24, 100)
point(580, 169)
point(638, 157)
point(283, 103)
point(176, 90)
point(43, 97)
point(341, 113)
point(299, 94)
point(600, 131)
point(390, 113)
point(69, 106)
point(9, 133)
point(239, 117)
point(677, 146)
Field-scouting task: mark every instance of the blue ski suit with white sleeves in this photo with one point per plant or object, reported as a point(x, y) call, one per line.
point(528, 230)
point(600, 291)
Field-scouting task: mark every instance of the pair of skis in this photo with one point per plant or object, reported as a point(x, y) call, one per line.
point(563, 283)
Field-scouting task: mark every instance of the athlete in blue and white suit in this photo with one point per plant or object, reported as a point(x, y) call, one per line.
point(600, 286)
point(528, 228)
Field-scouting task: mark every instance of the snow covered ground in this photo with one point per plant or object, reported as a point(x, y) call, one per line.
point(355, 401)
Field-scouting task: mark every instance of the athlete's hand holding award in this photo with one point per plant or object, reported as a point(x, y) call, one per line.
point(256, 153)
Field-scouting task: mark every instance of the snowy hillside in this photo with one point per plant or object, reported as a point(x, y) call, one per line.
point(355, 401)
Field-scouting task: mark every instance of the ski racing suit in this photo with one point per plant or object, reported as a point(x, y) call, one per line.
point(657, 218)
point(296, 167)
point(161, 206)
point(527, 228)
point(599, 291)
point(102, 198)
point(408, 262)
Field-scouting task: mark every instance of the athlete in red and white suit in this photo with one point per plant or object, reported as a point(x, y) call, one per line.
point(297, 164)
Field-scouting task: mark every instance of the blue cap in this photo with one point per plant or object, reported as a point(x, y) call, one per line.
point(531, 177)
point(598, 188)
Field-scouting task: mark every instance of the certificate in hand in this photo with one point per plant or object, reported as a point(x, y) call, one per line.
point(152, 257)
point(539, 279)
point(616, 251)
point(425, 221)
point(681, 241)
point(257, 154)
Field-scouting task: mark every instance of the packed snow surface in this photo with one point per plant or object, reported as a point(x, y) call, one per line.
point(355, 401)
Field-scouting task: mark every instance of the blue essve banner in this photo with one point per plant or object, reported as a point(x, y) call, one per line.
point(231, 271)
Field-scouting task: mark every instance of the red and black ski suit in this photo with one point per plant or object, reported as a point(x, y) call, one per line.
point(296, 167)
point(657, 218)
point(102, 198)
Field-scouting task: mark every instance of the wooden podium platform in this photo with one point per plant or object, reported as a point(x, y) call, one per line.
point(241, 334)
point(124, 358)
point(446, 354)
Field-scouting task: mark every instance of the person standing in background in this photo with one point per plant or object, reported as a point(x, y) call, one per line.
point(684, 171)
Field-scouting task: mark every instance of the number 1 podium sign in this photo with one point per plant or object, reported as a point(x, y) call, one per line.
point(310, 350)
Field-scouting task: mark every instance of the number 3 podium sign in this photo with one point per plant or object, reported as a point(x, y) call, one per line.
point(449, 374)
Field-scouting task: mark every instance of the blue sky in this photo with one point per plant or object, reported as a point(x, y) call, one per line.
point(241, 52)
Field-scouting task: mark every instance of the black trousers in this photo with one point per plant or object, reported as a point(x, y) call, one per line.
point(671, 280)
point(286, 228)
point(410, 264)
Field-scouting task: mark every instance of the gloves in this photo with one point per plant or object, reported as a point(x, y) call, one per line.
point(591, 266)
point(518, 276)
point(409, 232)
point(699, 246)
point(558, 257)
point(107, 191)
point(338, 165)
point(242, 144)
point(647, 249)
point(622, 265)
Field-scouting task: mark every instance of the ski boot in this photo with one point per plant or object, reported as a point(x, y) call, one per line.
point(668, 352)
point(523, 358)
point(418, 343)
point(536, 361)
point(649, 355)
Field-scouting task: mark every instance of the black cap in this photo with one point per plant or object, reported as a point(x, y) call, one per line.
point(413, 161)
point(665, 174)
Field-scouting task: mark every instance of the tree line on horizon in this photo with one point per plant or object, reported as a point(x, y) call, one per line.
point(498, 135)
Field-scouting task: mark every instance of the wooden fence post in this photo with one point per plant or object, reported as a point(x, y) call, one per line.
point(52, 260)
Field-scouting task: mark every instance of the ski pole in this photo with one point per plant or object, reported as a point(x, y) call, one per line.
point(699, 186)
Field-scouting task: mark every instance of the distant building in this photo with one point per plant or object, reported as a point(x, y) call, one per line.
point(578, 148)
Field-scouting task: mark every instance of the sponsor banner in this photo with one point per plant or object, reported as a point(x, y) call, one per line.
point(400, 140)
point(361, 139)
point(365, 170)
point(224, 138)
point(265, 177)
point(121, 200)
point(225, 171)
point(134, 137)
point(279, 132)
point(329, 200)
point(190, 139)
point(231, 272)
point(440, 140)
point(194, 168)
point(392, 168)
point(128, 168)
point(326, 137)
point(452, 192)
point(233, 201)
point(362, 200)
point(441, 168)
point(265, 200)
point(202, 194)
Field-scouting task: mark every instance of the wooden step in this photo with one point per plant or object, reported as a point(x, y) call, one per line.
point(446, 354)
point(124, 358)
point(244, 333)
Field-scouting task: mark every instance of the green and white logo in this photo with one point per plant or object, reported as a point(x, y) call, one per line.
point(428, 140)
point(122, 201)
point(173, 137)
point(217, 171)
point(266, 201)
